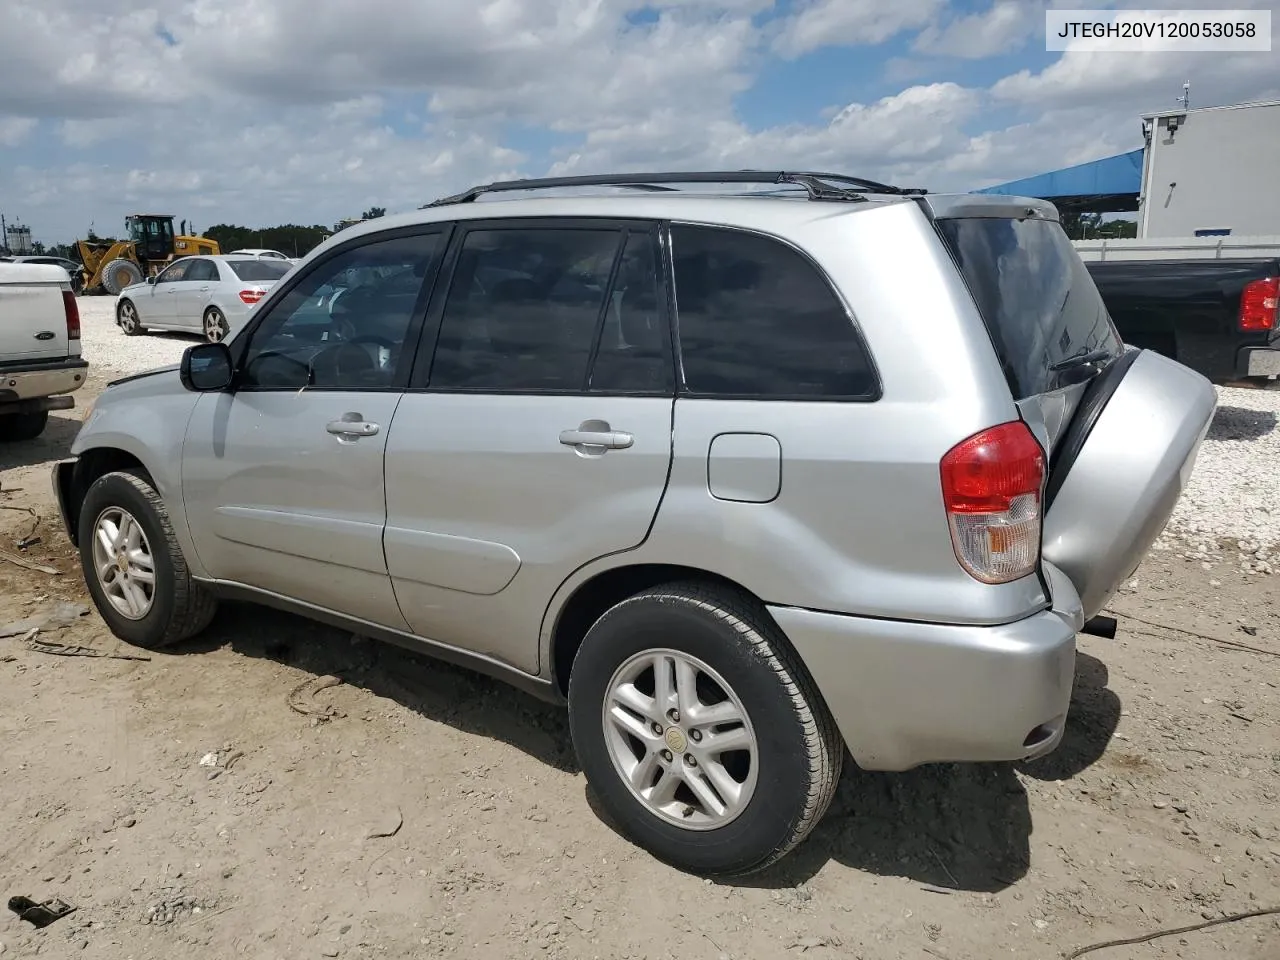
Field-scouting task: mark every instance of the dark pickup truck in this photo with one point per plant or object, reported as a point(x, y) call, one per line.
point(1218, 317)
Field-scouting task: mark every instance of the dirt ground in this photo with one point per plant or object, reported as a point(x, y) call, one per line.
point(188, 811)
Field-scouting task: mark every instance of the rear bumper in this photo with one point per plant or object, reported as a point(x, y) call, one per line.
point(905, 694)
point(42, 379)
point(1258, 362)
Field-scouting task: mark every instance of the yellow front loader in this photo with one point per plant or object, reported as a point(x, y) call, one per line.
point(111, 266)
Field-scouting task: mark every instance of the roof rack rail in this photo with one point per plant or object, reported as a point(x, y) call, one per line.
point(819, 186)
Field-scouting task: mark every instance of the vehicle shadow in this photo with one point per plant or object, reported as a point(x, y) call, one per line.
point(963, 827)
point(51, 445)
point(1240, 423)
point(438, 691)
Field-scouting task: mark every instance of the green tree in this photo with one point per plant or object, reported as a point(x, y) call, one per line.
point(373, 213)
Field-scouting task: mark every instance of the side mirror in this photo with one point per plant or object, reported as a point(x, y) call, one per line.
point(151, 279)
point(206, 368)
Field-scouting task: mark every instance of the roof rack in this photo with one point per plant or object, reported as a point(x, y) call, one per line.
point(819, 186)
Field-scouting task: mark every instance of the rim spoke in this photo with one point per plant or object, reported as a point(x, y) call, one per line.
point(714, 744)
point(664, 690)
point(628, 696)
point(704, 792)
point(716, 714)
point(686, 688)
point(132, 534)
point(628, 722)
point(133, 595)
point(144, 577)
point(642, 773)
point(107, 571)
point(664, 791)
point(107, 533)
point(140, 558)
point(727, 787)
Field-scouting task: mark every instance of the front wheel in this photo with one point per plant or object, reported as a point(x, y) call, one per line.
point(133, 564)
point(127, 319)
point(700, 731)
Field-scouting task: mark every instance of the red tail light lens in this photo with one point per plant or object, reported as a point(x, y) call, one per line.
point(1260, 305)
point(992, 485)
point(252, 296)
point(72, 311)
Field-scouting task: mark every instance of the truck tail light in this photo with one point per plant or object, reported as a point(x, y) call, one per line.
point(252, 296)
point(72, 311)
point(1259, 310)
point(992, 485)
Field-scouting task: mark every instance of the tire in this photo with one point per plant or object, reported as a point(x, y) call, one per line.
point(216, 328)
point(792, 778)
point(118, 274)
point(178, 607)
point(17, 427)
point(127, 318)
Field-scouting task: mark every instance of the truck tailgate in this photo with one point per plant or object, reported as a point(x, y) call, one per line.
point(33, 319)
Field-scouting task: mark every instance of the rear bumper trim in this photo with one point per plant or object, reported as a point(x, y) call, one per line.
point(905, 694)
point(1259, 362)
point(42, 380)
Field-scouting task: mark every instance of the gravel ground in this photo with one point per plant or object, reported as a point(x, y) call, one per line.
point(1231, 507)
point(110, 351)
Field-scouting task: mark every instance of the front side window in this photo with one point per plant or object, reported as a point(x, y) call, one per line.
point(523, 309)
point(346, 326)
point(757, 319)
point(175, 272)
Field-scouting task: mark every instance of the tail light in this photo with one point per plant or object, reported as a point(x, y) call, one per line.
point(72, 311)
point(252, 296)
point(1259, 310)
point(992, 484)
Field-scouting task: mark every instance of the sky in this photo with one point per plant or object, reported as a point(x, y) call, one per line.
point(260, 112)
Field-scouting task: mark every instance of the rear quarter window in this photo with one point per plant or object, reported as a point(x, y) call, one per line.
point(758, 319)
point(1036, 297)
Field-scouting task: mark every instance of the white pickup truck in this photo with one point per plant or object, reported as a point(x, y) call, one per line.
point(40, 362)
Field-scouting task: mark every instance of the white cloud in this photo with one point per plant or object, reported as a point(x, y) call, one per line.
point(1002, 28)
point(258, 113)
point(835, 23)
point(14, 130)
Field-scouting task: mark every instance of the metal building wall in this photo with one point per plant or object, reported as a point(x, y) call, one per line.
point(1219, 169)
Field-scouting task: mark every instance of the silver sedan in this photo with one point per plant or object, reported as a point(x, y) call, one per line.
point(208, 295)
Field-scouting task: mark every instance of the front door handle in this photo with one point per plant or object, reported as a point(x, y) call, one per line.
point(596, 433)
point(351, 426)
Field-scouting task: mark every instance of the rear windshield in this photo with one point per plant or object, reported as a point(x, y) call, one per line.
point(259, 269)
point(1036, 296)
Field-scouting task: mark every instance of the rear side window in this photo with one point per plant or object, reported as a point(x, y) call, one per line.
point(757, 319)
point(1039, 303)
point(259, 270)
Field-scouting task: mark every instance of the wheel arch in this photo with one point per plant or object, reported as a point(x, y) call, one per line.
point(89, 466)
point(566, 624)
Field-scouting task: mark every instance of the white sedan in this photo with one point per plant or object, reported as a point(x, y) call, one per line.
point(207, 295)
point(263, 254)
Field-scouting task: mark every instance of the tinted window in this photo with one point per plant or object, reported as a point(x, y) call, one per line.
point(523, 309)
point(1035, 295)
point(634, 355)
point(757, 319)
point(258, 270)
point(346, 325)
point(201, 270)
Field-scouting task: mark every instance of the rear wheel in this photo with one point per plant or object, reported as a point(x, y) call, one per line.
point(127, 319)
point(215, 325)
point(16, 427)
point(700, 731)
point(134, 567)
point(119, 274)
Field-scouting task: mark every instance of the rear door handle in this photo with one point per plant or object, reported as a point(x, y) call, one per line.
point(351, 426)
point(596, 434)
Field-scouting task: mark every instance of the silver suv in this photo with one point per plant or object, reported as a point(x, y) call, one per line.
point(747, 478)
